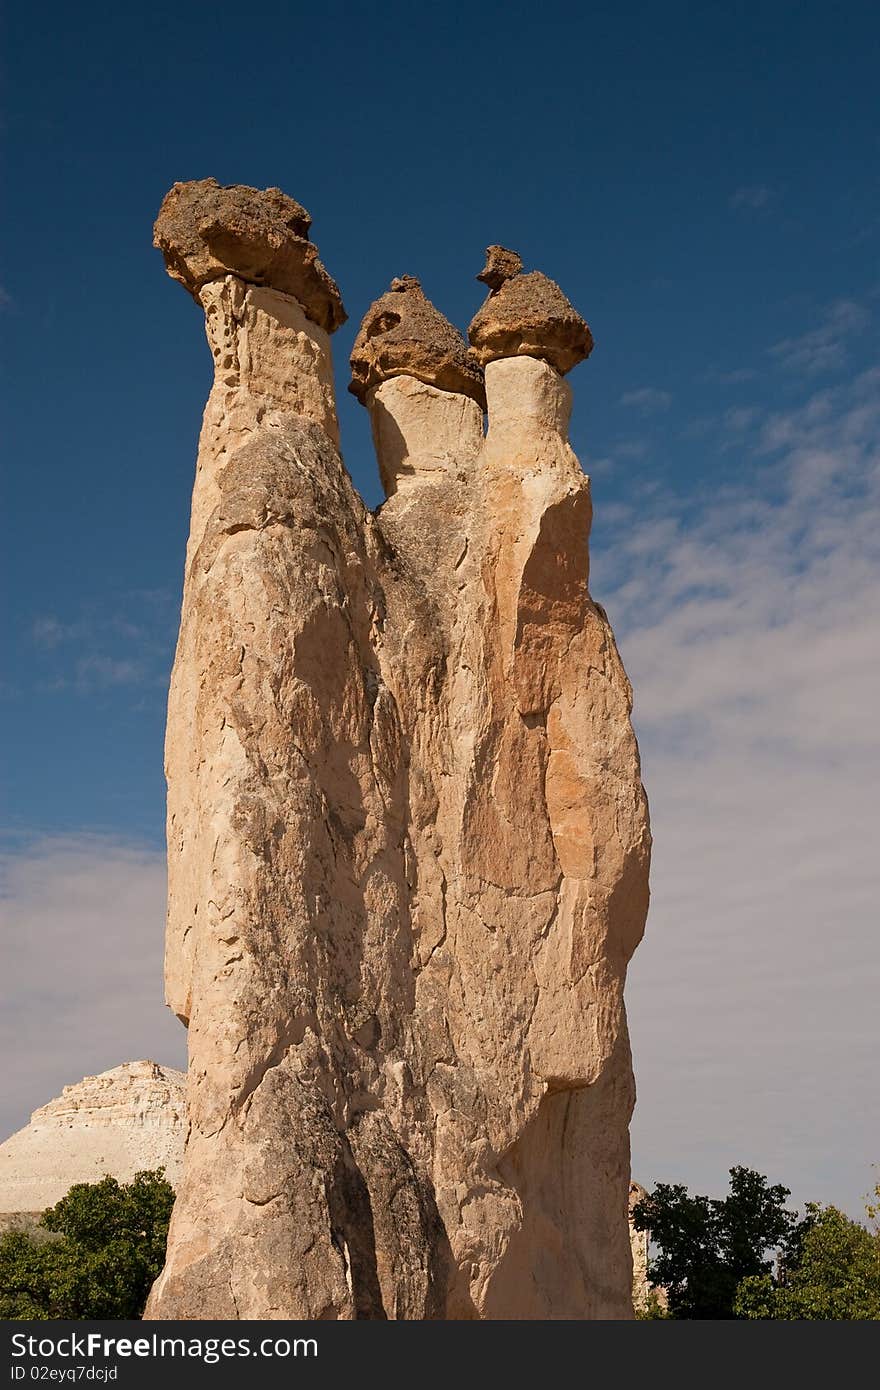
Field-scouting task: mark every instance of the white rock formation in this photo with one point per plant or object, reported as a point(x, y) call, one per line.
point(125, 1120)
point(408, 841)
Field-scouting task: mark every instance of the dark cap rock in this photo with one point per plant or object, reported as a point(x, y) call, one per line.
point(526, 316)
point(501, 265)
point(402, 334)
point(206, 231)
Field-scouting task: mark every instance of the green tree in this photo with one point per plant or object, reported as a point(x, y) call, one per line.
point(872, 1206)
point(106, 1247)
point(829, 1269)
point(653, 1309)
point(707, 1247)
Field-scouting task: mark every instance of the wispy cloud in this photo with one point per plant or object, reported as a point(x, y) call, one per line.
point(699, 427)
point(101, 672)
point(647, 399)
point(631, 448)
point(599, 467)
point(739, 419)
point(748, 627)
point(823, 348)
point(752, 195)
point(732, 378)
point(81, 988)
point(48, 632)
point(102, 646)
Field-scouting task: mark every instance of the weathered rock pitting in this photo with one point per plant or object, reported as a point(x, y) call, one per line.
point(402, 334)
point(408, 842)
point(526, 315)
point(206, 232)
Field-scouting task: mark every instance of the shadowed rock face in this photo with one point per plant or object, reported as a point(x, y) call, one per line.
point(408, 847)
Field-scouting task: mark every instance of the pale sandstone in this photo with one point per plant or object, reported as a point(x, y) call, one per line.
point(644, 1293)
point(408, 852)
point(639, 1240)
point(124, 1121)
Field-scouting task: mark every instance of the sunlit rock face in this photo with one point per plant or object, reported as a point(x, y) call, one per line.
point(408, 842)
point(121, 1122)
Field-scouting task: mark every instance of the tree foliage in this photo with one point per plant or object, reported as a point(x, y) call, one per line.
point(872, 1207)
point(829, 1269)
point(707, 1247)
point(652, 1308)
point(106, 1246)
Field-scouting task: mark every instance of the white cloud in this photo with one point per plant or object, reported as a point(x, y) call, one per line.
point(732, 378)
point(106, 643)
point(48, 632)
point(647, 399)
point(699, 427)
point(750, 633)
point(823, 348)
point(755, 195)
point(739, 419)
point(631, 448)
point(100, 672)
point(81, 988)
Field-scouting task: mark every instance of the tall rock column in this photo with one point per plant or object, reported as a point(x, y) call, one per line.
point(281, 840)
point(408, 842)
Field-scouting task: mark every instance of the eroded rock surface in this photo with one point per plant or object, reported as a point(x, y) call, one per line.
point(404, 335)
point(501, 264)
point(121, 1122)
point(526, 315)
point(408, 849)
point(206, 231)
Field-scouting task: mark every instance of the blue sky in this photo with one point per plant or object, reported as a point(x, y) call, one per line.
point(703, 182)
